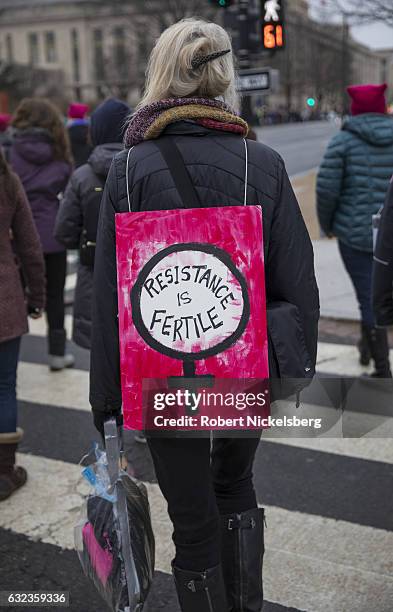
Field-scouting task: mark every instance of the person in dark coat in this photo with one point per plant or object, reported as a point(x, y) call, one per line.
point(40, 155)
point(18, 239)
point(78, 131)
point(77, 219)
point(383, 266)
point(189, 99)
point(351, 187)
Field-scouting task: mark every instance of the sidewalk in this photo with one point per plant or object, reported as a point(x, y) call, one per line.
point(335, 289)
point(336, 293)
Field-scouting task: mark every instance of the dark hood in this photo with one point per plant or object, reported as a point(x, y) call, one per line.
point(78, 133)
point(35, 145)
point(101, 157)
point(108, 122)
point(374, 128)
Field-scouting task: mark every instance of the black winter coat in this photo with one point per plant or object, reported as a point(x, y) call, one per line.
point(383, 266)
point(84, 192)
point(215, 162)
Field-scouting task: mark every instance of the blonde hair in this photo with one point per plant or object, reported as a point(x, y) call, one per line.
point(170, 74)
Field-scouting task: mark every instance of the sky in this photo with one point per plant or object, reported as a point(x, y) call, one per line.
point(374, 35)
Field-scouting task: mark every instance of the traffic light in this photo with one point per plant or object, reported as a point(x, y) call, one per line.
point(222, 3)
point(311, 102)
point(272, 12)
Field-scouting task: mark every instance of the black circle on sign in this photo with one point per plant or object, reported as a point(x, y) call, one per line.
point(136, 293)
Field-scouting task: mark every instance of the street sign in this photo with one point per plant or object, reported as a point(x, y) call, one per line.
point(253, 81)
point(273, 24)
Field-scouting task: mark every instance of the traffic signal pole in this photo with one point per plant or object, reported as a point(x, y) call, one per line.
point(244, 55)
point(238, 20)
point(257, 27)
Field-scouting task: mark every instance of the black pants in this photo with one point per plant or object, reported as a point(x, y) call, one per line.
point(359, 265)
point(56, 267)
point(200, 485)
point(9, 355)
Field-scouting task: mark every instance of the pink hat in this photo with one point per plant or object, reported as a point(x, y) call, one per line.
point(77, 110)
point(367, 98)
point(5, 119)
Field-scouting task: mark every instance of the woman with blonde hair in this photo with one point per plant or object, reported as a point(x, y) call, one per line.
point(40, 155)
point(190, 101)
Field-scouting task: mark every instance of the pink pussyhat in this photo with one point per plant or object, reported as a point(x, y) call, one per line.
point(76, 110)
point(5, 120)
point(367, 98)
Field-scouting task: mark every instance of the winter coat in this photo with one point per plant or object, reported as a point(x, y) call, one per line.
point(79, 138)
point(354, 177)
point(84, 193)
point(44, 178)
point(383, 266)
point(16, 220)
point(215, 162)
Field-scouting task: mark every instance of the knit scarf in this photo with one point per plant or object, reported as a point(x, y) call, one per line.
point(150, 121)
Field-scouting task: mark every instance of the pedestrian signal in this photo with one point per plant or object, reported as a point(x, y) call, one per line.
point(272, 12)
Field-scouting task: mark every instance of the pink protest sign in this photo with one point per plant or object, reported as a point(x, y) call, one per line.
point(191, 295)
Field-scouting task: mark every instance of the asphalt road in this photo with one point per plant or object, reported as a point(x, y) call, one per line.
point(302, 145)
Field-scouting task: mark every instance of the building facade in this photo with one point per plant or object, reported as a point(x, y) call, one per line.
point(100, 47)
point(386, 57)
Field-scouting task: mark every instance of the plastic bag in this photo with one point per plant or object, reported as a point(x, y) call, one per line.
point(114, 537)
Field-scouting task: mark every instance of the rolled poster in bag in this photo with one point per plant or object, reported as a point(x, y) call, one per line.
point(114, 537)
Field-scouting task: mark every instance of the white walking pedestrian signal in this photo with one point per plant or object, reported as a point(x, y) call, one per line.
point(272, 14)
point(272, 10)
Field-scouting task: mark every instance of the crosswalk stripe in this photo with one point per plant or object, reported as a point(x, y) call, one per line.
point(38, 327)
point(338, 359)
point(313, 551)
point(70, 282)
point(360, 448)
point(72, 257)
point(70, 389)
point(341, 359)
point(67, 388)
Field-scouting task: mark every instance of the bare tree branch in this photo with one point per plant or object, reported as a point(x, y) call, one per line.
point(361, 11)
point(170, 11)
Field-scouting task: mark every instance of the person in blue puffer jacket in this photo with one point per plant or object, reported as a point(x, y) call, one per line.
point(351, 187)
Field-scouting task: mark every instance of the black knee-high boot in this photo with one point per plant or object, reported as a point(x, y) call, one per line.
point(201, 591)
point(364, 346)
point(242, 550)
point(379, 347)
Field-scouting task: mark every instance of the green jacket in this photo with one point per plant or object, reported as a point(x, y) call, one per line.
point(354, 177)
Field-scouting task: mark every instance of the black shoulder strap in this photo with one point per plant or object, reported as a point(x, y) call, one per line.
point(178, 170)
